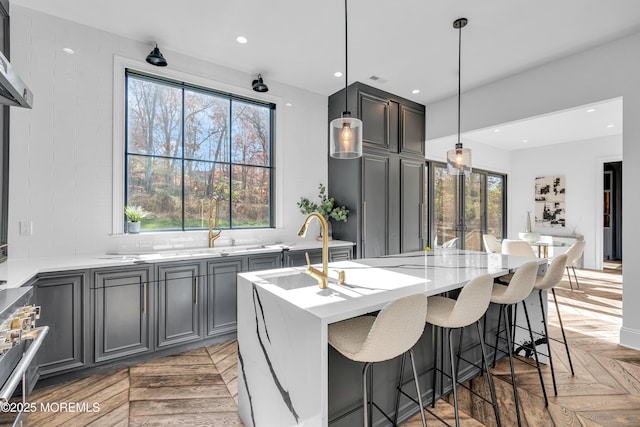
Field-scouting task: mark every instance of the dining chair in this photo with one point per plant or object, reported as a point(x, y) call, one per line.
point(491, 244)
point(574, 253)
point(517, 248)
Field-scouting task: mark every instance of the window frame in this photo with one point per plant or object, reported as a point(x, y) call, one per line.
point(430, 166)
point(229, 86)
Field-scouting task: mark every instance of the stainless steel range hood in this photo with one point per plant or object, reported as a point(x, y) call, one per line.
point(13, 91)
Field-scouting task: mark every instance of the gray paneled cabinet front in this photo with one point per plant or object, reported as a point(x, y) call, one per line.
point(384, 188)
point(123, 311)
point(180, 301)
point(221, 295)
point(64, 303)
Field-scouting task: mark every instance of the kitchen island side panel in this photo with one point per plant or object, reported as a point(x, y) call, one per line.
point(282, 361)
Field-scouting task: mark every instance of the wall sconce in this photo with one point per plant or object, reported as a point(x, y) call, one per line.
point(258, 85)
point(156, 58)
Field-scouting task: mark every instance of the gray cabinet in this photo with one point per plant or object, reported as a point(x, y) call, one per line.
point(122, 312)
point(222, 296)
point(382, 188)
point(64, 302)
point(411, 205)
point(297, 258)
point(265, 261)
point(180, 297)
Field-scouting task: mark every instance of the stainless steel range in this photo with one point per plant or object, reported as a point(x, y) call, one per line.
point(20, 339)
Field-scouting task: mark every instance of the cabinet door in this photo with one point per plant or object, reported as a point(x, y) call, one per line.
point(179, 304)
point(340, 254)
point(374, 113)
point(411, 204)
point(265, 261)
point(412, 130)
point(122, 310)
point(221, 296)
point(375, 191)
point(64, 302)
point(297, 258)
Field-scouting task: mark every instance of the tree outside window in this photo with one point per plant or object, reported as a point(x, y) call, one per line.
point(187, 145)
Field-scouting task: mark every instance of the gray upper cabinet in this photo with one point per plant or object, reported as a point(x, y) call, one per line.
point(375, 111)
point(64, 303)
point(412, 130)
point(122, 312)
point(383, 188)
point(180, 302)
point(222, 295)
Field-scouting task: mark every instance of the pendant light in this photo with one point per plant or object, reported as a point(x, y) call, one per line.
point(459, 159)
point(345, 133)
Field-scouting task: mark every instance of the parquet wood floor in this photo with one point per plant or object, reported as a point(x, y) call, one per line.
point(199, 387)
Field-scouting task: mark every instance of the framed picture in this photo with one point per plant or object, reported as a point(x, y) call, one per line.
point(549, 201)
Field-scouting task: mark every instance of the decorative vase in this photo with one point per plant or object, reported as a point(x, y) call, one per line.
point(329, 231)
point(133, 227)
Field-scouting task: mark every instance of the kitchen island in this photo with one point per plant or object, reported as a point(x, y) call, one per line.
point(288, 374)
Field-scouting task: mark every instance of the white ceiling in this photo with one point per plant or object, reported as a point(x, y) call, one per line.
point(577, 124)
point(409, 44)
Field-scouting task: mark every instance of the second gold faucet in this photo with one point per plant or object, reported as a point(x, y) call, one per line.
point(213, 236)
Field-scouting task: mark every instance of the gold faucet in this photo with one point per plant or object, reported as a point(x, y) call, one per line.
point(321, 276)
point(213, 236)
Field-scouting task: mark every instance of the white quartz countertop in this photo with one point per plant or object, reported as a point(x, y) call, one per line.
point(371, 283)
point(15, 272)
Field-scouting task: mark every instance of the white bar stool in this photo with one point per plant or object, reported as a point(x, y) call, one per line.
point(369, 339)
point(550, 280)
point(450, 314)
point(519, 288)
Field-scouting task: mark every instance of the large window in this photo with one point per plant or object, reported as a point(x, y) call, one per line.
point(187, 145)
point(466, 207)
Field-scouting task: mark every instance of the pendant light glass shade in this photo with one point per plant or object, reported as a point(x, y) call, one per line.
point(345, 133)
point(345, 137)
point(459, 159)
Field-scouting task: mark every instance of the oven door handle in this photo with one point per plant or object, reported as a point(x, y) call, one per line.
point(18, 373)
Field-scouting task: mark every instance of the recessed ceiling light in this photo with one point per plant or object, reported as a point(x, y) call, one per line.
point(415, 91)
point(338, 74)
point(496, 130)
point(241, 39)
point(591, 110)
point(68, 50)
point(610, 126)
point(288, 104)
point(525, 140)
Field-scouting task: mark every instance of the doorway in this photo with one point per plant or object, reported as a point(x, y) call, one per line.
point(612, 212)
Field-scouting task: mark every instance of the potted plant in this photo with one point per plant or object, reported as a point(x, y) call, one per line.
point(327, 208)
point(134, 215)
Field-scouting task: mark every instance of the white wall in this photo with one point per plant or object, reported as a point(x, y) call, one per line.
point(604, 72)
point(61, 174)
point(581, 164)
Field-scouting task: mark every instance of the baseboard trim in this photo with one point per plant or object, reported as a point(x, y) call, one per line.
point(630, 338)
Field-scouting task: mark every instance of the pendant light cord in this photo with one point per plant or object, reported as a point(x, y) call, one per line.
point(459, 76)
point(346, 58)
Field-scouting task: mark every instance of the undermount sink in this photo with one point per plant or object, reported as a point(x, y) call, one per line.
point(289, 280)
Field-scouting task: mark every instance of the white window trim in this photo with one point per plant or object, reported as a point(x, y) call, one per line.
point(119, 109)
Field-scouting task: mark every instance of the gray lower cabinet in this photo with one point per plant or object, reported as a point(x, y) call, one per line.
point(297, 258)
point(123, 311)
point(411, 205)
point(180, 300)
point(64, 303)
point(265, 261)
point(221, 295)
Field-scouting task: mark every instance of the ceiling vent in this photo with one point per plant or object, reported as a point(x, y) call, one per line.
point(375, 78)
